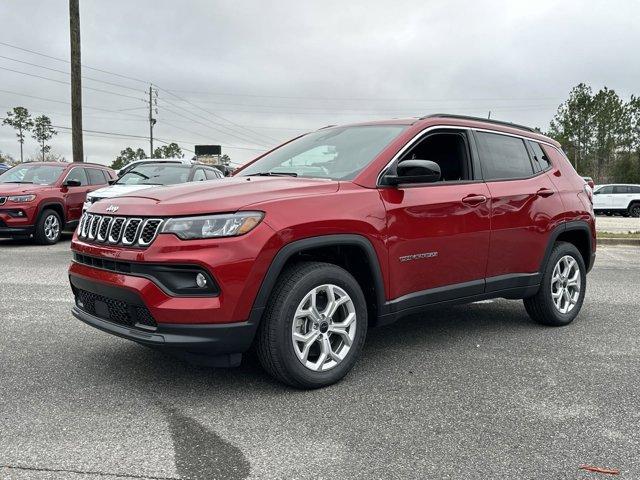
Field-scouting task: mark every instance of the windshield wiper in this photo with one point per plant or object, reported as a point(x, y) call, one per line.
point(273, 174)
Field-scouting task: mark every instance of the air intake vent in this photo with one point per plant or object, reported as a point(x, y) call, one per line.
point(116, 229)
point(149, 231)
point(104, 228)
point(131, 231)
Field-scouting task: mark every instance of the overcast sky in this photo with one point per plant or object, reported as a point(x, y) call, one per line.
point(248, 74)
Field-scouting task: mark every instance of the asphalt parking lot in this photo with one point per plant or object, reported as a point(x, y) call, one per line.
point(475, 391)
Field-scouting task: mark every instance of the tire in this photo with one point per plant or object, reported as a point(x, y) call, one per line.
point(542, 307)
point(634, 210)
point(281, 356)
point(48, 228)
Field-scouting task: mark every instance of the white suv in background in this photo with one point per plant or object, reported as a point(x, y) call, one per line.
point(621, 199)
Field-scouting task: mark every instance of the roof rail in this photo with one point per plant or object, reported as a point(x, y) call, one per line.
point(479, 119)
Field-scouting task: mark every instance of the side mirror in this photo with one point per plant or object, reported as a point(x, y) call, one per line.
point(414, 171)
point(72, 183)
point(112, 181)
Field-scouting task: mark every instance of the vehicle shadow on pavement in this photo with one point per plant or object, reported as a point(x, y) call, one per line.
point(26, 242)
point(432, 332)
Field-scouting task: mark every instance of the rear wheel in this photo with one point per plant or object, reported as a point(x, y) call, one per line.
point(562, 289)
point(634, 210)
point(48, 228)
point(314, 326)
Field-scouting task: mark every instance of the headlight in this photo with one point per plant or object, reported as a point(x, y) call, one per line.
point(212, 226)
point(21, 198)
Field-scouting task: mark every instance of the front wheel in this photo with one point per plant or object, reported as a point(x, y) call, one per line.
point(562, 288)
point(48, 228)
point(314, 326)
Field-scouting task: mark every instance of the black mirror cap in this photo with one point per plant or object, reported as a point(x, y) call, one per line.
point(72, 183)
point(414, 171)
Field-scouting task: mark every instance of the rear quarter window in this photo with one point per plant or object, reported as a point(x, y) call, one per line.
point(503, 157)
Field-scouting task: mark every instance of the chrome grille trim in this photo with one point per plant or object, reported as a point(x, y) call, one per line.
point(104, 226)
point(125, 231)
point(153, 233)
point(116, 229)
point(130, 240)
point(93, 227)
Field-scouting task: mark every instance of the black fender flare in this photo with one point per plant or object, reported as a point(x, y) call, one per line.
point(44, 205)
point(286, 252)
point(572, 225)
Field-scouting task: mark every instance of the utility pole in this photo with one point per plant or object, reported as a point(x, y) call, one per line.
point(153, 102)
point(76, 83)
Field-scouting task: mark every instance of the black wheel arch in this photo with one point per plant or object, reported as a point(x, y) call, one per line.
point(289, 251)
point(577, 232)
point(57, 207)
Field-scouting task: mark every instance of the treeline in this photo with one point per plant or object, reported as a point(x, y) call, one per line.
point(600, 133)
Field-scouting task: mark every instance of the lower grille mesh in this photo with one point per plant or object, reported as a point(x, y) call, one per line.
point(116, 311)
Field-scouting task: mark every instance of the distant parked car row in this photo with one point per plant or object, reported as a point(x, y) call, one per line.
point(42, 199)
point(618, 199)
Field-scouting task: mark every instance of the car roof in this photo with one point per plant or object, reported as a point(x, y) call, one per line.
point(447, 119)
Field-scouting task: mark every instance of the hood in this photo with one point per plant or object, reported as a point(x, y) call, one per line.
point(117, 190)
point(223, 195)
point(21, 188)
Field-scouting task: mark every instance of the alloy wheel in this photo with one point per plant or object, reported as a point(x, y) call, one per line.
point(565, 284)
point(324, 327)
point(51, 227)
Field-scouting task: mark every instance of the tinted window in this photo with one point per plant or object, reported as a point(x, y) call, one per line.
point(503, 157)
point(96, 177)
point(634, 189)
point(199, 175)
point(79, 175)
point(608, 189)
point(620, 189)
point(540, 160)
point(213, 173)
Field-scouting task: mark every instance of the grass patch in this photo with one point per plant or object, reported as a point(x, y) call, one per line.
point(618, 235)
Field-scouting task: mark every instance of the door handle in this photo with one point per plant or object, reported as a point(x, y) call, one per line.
point(474, 200)
point(545, 192)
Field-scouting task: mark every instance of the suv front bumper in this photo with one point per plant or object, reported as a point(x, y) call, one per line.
point(214, 344)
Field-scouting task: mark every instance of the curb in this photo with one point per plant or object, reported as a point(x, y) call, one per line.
point(618, 241)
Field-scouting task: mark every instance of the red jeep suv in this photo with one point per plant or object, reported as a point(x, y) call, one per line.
point(41, 199)
point(334, 232)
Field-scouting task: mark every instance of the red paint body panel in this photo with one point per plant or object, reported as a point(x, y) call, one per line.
point(506, 233)
point(70, 199)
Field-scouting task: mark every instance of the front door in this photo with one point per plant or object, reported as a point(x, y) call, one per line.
point(438, 233)
point(75, 196)
point(603, 198)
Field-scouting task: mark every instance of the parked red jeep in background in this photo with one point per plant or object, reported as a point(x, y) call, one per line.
point(334, 232)
point(41, 199)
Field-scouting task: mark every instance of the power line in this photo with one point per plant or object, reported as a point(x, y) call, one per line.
point(65, 72)
point(69, 83)
point(67, 61)
point(218, 116)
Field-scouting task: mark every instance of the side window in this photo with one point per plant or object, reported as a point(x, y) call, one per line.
point(449, 150)
point(212, 173)
point(605, 190)
point(620, 189)
point(79, 175)
point(540, 160)
point(503, 156)
point(199, 175)
point(96, 177)
point(634, 189)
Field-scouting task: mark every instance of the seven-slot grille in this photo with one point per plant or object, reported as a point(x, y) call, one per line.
point(130, 231)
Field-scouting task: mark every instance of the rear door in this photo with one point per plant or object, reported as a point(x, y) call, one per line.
point(525, 207)
point(621, 197)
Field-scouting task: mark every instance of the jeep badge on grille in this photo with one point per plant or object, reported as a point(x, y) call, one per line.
point(112, 208)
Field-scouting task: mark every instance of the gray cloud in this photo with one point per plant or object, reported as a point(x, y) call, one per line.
point(281, 68)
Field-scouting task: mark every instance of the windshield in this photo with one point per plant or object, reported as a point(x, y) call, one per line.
point(337, 153)
point(155, 174)
point(33, 173)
